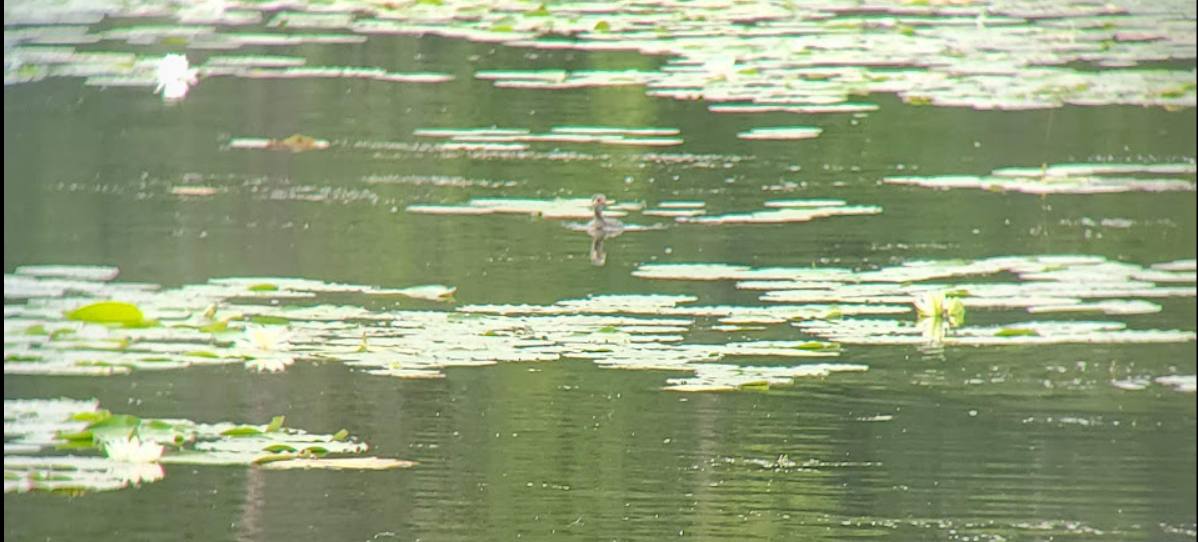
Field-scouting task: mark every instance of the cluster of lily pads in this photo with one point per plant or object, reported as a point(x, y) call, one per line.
point(492, 139)
point(693, 212)
point(487, 144)
point(171, 75)
point(518, 138)
point(61, 328)
point(1094, 178)
point(266, 324)
point(747, 54)
point(1046, 284)
point(97, 450)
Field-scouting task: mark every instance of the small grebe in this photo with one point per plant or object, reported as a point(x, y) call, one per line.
point(601, 223)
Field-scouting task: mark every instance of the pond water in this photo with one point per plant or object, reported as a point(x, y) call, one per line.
point(543, 394)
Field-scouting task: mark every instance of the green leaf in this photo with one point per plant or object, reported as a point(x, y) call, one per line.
point(98, 363)
point(276, 423)
point(243, 431)
point(87, 436)
point(36, 329)
point(18, 358)
point(602, 26)
point(108, 312)
point(77, 444)
point(202, 354)
point(92, 416)
point(143, 324)
point(215, 327)
point(757, 386)
point(264, 287)
point(956, 311)
point(116, 426)
point(817, 345)
point(341, 435)
point(279, 449)
point(116, 421)
point(263, 320)
point(1017, 332)
point(541, 11)
point(315, 450)
point(272, 458)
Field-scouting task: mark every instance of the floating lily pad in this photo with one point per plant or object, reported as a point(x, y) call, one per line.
point(432, 292)
point(515, 138)
point(197, 191)
point(1182, 383)
point(782, 132)
point(1064, 179)
point(347, 463)
point(108, 312)
point(78, 272)
point(720, 377)
point(783, 215)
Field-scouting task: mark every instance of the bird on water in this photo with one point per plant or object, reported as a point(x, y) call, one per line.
point(601, 223)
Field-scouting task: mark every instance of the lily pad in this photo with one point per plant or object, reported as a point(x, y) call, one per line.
point(347, 463)
point(782, 132)
point(108, 312)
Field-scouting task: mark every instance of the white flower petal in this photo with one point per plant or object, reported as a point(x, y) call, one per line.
point(133, 450)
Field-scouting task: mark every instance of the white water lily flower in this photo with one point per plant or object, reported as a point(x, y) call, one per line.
point(930, 304)
point(175, 77)
point(938, 313)
point(264, 344)
point(937, 305)
point(266, 338)
point(133, 450)
point(720, 67)
point(273, 364)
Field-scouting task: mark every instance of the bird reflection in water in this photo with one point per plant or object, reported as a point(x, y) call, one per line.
point(602, 228)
